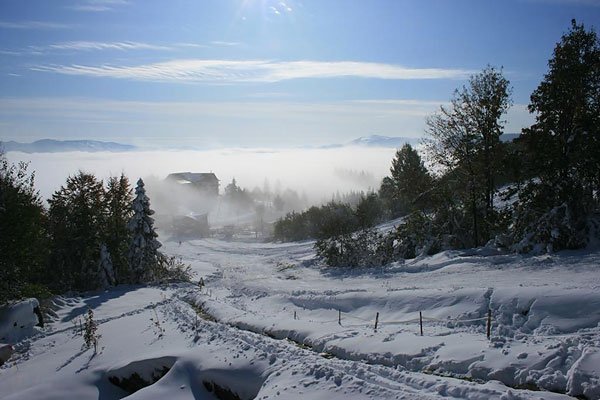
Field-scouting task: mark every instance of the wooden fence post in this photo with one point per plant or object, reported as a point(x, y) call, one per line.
point(421, 321)
point(376, 321)
point(339, 317)
point(489, 323)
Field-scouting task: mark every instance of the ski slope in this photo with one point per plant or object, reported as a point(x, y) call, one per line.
point(267, 325)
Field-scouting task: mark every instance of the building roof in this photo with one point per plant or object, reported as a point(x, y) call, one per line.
point(194, 177)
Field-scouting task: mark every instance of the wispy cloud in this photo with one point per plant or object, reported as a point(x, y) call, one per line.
point(223, 43)
point(227, 71)
point(401, 102)
point(88, 46)
point(32, 25)
point(98, 5)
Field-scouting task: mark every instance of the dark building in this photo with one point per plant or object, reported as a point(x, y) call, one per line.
point(205, 182)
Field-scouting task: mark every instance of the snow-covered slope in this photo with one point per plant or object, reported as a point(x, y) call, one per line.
point(277, 332)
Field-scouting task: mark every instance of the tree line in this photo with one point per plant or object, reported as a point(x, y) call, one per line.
point(92, 235)
point(539, 192)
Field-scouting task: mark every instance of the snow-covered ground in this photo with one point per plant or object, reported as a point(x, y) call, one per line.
point(277, 332)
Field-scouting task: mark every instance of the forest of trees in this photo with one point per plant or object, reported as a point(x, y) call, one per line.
point(537, 193)
point(91, 236)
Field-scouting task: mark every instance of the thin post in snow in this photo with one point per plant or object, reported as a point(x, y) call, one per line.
point(376, 321)
point(421, 321)
point(294, 314)
point(489, 323)
point(339, 317)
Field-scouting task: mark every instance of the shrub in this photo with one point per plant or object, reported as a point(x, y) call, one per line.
point(90, 333)
point(365, 248)
point(332, 219)
point(171, 269)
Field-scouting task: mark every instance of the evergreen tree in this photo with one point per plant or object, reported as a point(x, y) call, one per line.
point(143, 251)
point(408, 181)
point(22, 234)
point(76, 225)
point(564, 142)
point(369, 211)
point(118, 203)
point(239, 198)
point(562, 149)
point(278, 203)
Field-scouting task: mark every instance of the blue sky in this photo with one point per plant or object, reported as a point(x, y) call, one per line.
point(261, 72)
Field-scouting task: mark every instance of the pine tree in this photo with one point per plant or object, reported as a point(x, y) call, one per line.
point(564, 142)
point(118, 203)
point(562, 149)
point(22, 235)
point(143, 250)
point(408, 181)
point(369, 211)
point(76, 225)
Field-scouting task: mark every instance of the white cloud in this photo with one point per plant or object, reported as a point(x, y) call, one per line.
point(98, 5)
point(228, 71)
point(224, 43)
point(83, 45)
point(32, 25)
point(84, 108)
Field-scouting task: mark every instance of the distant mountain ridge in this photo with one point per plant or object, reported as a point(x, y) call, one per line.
point(91, 146)
point(383, 141)
point(399, 141)
point(59, 146)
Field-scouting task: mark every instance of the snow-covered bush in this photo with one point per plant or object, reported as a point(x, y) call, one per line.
point(553, 230)
point(415, 237)
point(365, 248)
point(171, 269)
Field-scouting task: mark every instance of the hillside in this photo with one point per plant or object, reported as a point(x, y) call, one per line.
point(268, 327)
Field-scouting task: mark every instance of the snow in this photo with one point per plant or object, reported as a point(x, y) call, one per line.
point(277, 334)
point(18, 320)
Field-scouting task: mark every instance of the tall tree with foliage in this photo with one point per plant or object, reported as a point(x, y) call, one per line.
point(465, 139)
point(118, 203)
point(22, 234)
point(76, 224)
point(408, 181)
point(562, 149)
point(564, 142)
point(143, 251)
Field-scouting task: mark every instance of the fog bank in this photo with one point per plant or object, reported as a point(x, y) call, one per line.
point(317, 173)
